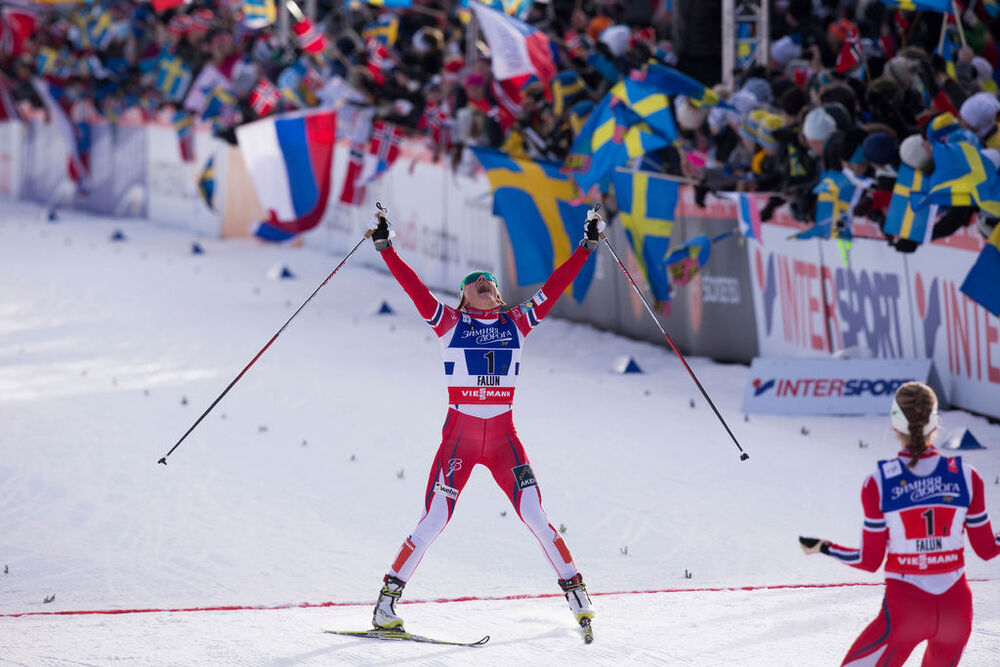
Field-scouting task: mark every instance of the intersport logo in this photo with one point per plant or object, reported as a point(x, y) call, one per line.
point(828, 387)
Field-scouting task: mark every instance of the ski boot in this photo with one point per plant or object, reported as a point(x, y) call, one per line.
point(579, 603)
point(384, 617)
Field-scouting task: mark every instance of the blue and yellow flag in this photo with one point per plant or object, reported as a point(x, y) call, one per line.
point(206, 183)
point(533, 198)
point(646, 204)
point(671, 82)
point(218, 100)
point(259, 14)
point(385, 30)
point(173, 77)
point(943, 6)
point(834, 196)
point(46, 60)
point(391, 4)
point(647, 103)
point(902, 220)
point(982, 284)
point(567, 86)
point(948, 50)
point(961, 178)
point(612, 136)
point(687, 260)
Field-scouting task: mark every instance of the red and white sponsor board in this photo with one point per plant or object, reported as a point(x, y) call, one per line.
point(960, 336)
point(807, 386)
point(813, 298)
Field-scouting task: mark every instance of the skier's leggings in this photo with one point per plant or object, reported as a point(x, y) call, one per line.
point(909, 616)
point(468, 441)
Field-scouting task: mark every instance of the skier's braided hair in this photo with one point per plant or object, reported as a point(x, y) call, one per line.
point(917, 402)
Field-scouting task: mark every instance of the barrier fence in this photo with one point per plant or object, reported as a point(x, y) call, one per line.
point(770, 297)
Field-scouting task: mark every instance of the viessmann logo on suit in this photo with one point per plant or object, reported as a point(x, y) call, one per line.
point(828, 386)
point(488, 395)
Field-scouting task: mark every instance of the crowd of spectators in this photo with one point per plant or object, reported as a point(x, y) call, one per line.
point(853, 85)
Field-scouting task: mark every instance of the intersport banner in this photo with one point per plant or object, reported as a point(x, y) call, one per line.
point(960, 336)
point(815, 299)
point(828, 386)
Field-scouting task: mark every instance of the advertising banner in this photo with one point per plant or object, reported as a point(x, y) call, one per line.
point(960, 336)
point(866, 298)
point(807, 386)
point(788, 280)
point(173, 196)
point(11, 159)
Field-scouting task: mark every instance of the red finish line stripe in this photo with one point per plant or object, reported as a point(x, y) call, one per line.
point(470, 598)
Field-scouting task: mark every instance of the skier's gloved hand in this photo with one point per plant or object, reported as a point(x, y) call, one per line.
point(592, 230)
point(812, 545)
point(381, 230)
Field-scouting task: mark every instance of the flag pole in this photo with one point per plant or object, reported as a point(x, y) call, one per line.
point(958, 23)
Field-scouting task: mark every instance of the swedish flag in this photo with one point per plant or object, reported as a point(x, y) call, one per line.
point(611, 137)
point(218, 100)
point(687, 260)
point(533, 198)
point(647, 103)
point(982, 284)
point(670, 81)
point(46, 60)
point(566, 87)
point(206, 183)
point(392, 4)
point(902, 220)
point(943, 6)
point(385, 29)
point(647, 204)
point(258, 14)
point(962, 178)
point(173, 77)
point(834, 196)
point(947, 49)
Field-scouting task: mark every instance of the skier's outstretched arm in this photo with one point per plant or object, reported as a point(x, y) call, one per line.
point(426, 303)
point(984, 542)
point(566, 272)
point(874, 537)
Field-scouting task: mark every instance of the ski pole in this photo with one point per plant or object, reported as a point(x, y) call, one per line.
point(163, 459)
point(743, 455)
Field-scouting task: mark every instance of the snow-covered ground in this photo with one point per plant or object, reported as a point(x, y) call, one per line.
point(299, 487)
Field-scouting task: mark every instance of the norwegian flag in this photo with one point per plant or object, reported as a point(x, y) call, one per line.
point(310, 38)
point(353, 192)
point(382, 152)
point(264, 97)
point(437, 121)
point(850, 54)
point(379, 60)
point(16, 25)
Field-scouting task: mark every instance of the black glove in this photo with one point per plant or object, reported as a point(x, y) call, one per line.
point(809, 545)
point(592, 230)
point(380, 230)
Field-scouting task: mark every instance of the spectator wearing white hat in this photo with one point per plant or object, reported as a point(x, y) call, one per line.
point(979, 114)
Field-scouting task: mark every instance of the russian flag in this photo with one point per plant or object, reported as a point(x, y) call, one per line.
point(516, 47)
point(289, 159)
